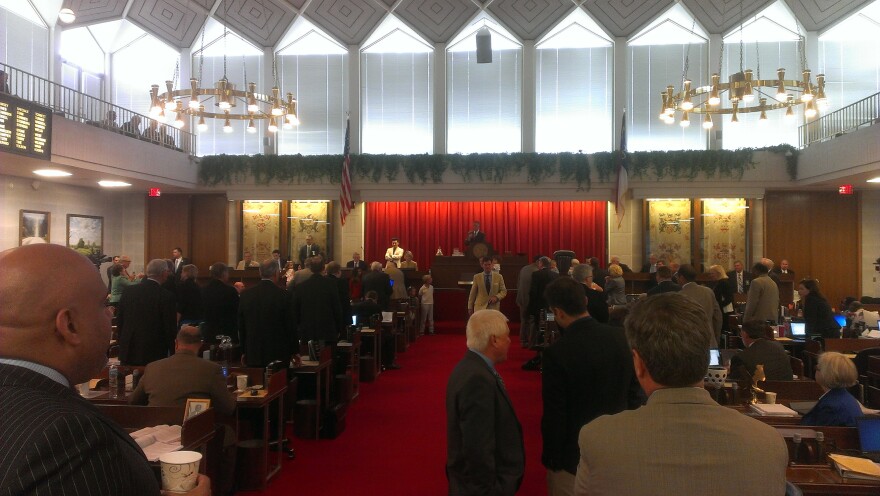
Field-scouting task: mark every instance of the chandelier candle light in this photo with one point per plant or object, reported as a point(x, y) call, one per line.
point(257, 106)
point(744, 93)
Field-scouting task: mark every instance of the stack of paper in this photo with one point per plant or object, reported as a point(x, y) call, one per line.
point(856, 468)
point(775, 410)
point(158, 440)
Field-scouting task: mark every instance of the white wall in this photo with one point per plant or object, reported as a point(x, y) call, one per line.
point(123, 212)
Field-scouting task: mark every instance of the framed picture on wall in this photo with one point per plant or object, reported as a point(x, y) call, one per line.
point(33, 227)
point(85, 234)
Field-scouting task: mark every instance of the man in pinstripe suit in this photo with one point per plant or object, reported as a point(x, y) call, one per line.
point(55, 442)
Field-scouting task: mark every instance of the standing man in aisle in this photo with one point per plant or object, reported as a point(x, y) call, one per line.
point(178, 261)
point(147, 318)
point(522, 300)
point(488, 289)
point(485, 453)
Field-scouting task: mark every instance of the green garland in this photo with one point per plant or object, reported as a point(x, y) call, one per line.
point(492, 168)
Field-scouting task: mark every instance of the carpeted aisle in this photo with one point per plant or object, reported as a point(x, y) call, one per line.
point(395, 441)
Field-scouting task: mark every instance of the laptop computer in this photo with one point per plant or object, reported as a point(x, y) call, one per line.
point(869, 437)
point(799, 330)
point(714, 357)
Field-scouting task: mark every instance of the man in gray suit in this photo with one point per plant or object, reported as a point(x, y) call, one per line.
point(687, 277)
point(760, 351)
point(680, 442)
point(485, 453)
point(762, 302)
point(522, 299)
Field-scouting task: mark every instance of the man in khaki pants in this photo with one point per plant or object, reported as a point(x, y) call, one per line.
point(488, 289)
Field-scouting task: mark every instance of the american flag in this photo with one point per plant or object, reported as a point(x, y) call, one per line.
point(622, 174)
point(345, 186)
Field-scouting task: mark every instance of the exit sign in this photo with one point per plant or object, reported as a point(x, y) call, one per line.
point(155, 192)
point(846, 189)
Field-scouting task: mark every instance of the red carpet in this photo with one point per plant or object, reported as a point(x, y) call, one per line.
point(395, 441)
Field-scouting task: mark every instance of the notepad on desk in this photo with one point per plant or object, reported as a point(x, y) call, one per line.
point(775, 410)
point(852, 467)
point(155, 441)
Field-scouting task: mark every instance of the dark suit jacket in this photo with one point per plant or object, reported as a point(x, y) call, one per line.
point(55, 442)
point(344, 299)
point(835, 408)
point(724, 290)
point(264, 328)
point(472, 238)
point(304, 254)
point(361, 264)
point(171, 381)
point(819, 317)
point(485, 454)
point(587, 373)
point(664, 287)
point(147, 322)
point(183, 262)
point(316, 312)
point(596, 305)
point(540, 280)
point(220, 305)
point(189, 301)
point(747, 280)
point(770, 354)
point(379, 282)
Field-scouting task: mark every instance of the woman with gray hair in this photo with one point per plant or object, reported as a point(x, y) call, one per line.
point(614, 287)
point(837, 407)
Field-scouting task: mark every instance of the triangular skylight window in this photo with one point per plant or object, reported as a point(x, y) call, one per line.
point(466, 40)
point(393, 36)
point(23, 8)
point(675, 27)
point(304, 38)
point(578, 30)
point(773, 24)
point(216, 46)
point(863, 25)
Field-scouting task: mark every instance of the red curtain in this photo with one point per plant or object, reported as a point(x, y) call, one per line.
point(517, 227)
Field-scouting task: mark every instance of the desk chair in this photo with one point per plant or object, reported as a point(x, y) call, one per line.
point(563, 260)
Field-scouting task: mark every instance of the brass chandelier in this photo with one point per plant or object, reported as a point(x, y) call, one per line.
point(226, 97)
point(743, 92)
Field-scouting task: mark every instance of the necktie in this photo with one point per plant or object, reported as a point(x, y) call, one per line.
point(488, 279)
point(739, 282)
point(500, 380)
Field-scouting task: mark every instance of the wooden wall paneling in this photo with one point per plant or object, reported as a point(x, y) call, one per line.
point(209, 233)
point(168, 226)
point(834, 241)
point(818, 233)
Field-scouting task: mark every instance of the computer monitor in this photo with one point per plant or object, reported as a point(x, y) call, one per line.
point(354, 320)
point(869, 434)
point(714, 357)
point(798, 329)
point(841, 320)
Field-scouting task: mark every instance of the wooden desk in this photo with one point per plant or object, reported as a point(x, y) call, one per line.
point(371, 340)
point(274, 394)
point(351, 354)
point(321, 371)
point(825, 481)
point(195, 431)
point(850, 345)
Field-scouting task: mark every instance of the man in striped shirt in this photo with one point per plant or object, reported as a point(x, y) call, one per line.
point(51, 337)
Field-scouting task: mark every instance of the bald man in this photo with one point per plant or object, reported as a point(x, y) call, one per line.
point(52, 337)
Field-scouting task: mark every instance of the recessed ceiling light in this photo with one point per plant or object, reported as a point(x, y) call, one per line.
point(52, 173)
point(874, 180)
point(113, 184)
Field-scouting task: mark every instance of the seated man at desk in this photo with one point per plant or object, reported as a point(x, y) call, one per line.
point(183, 375)
point(760, 351)
point(51, 337)
point(680, 442)
point(364, 311)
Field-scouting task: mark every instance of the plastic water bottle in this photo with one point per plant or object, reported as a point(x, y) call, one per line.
point(113, 383)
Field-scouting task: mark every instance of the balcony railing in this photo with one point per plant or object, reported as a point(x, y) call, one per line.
point(862, 113)
point(74, 105)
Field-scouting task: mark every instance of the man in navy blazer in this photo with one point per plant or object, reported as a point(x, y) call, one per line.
point(586, 373)
point(147, 318)
point(52, 337)
point(485, 454)
point(264, 328)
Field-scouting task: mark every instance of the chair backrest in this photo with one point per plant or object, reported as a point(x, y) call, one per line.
point(797, 367)
point(793, 390)
point(563, 260)
point(861, 359)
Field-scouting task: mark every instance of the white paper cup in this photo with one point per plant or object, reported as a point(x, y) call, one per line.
point(180, 470)
point(241, 382)
point(769, 398)
point(83, 388)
